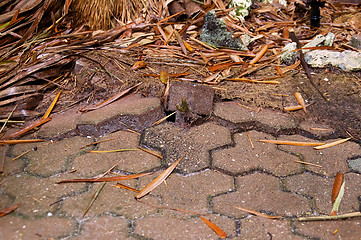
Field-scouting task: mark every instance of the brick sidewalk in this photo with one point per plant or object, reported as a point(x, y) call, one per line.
point(219, 170)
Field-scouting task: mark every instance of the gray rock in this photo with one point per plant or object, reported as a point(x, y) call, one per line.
point(356, 41)
point(355, 164)
point(329, 38)
point(288, 56)
point(317, 41)
point(215, 33)
point(347, 60)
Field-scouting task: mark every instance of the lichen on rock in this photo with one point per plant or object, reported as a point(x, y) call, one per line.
point(215, 33)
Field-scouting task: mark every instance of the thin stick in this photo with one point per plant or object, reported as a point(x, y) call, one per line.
point(307, 163)
point(321, 218)
point(250, 140)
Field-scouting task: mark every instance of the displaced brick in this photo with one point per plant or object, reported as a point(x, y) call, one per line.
point(198, 97)
point(131, 112)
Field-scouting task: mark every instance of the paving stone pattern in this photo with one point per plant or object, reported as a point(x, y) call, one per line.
point(223, 166)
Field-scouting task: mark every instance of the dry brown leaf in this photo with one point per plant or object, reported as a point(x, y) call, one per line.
point(259, 55)
point(336, 186)
point(157, 181)
point(301, 101)
point(257, 213)
point(8, 210)
point(109, 100)
point(31, 126)
point(214, 227)
point(138, 65)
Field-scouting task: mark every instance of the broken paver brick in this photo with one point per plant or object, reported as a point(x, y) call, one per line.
point(131, 112)
point(198, 97)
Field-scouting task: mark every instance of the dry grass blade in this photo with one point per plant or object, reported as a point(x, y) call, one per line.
point(7, 119)
point(214, 227)
point(8, 210)
point(29, 127)
point(331, 144)
point(109, 100)
point(106, 179)
point(52, 105)
point(307, 163)
point(257, 213)
point(295, 143)
point(112, 151)
point(157, 181)
point(9, 142)
point(161, 120)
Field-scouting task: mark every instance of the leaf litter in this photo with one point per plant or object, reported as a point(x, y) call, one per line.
point(163, 42)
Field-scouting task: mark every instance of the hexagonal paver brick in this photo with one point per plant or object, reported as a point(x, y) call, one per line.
point(134, 161)
point(330, 230)
point(38, 196)
point(130, 112)
point(61, 124)
point(261, 228)
point(165, 227)
point(235, 113)
point(51, 157)
point(110, 200)
point(105, 227)
point(12, 227)
point(260, 192)
point(332, 159)
point(13, 167)
point(316, 187)
point(320, 189)
point(190, 192)
point(243, 158)
point(193, 146)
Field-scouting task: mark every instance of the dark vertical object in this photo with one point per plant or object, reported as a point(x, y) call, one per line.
point(315, 16)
